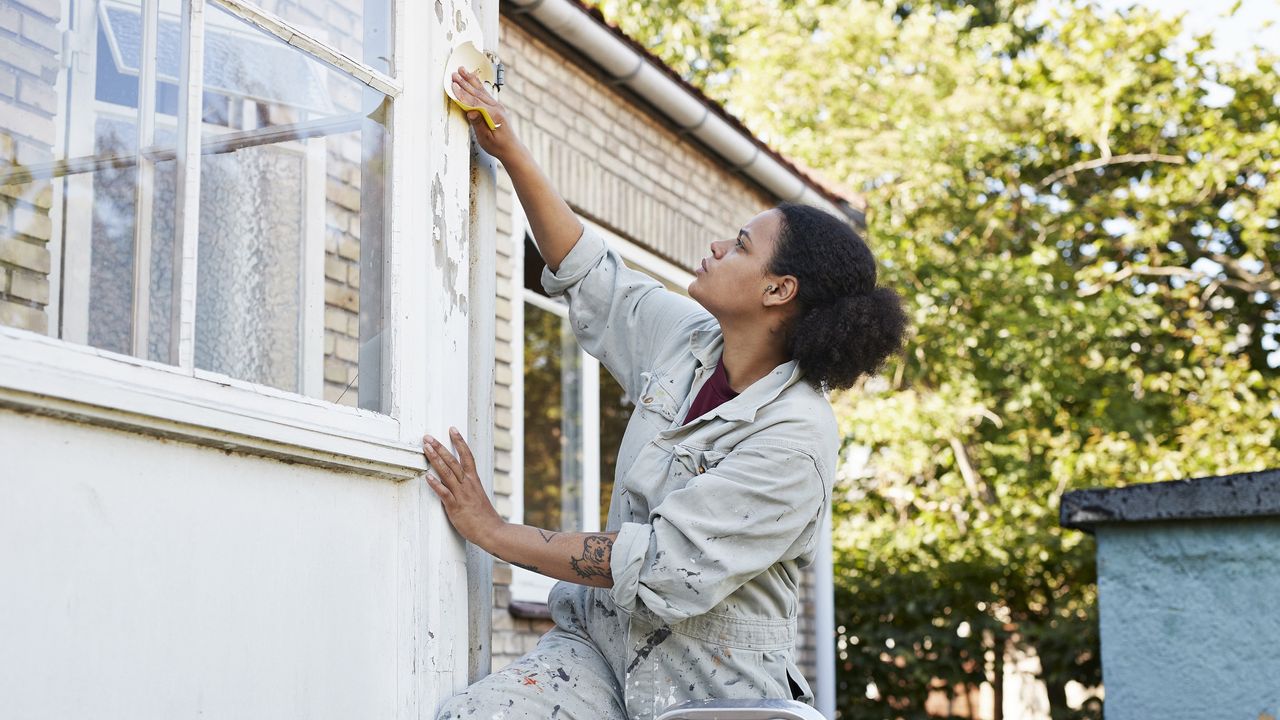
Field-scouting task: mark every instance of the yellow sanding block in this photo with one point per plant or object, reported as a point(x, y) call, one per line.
point(467, 55)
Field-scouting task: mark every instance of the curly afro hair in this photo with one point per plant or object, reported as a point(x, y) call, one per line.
point(847, 327)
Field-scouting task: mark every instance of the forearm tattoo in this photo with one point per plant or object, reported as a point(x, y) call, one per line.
point(597, 551)
point(547, 537)
point(530, 568)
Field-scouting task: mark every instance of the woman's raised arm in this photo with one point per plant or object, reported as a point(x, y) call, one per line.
point(621, 316)
point(555, 227)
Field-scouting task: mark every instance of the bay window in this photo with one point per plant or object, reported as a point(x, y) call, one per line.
point(204, 189)
point(289, 208)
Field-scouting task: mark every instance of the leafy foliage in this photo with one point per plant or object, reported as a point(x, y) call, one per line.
point(1082, 209)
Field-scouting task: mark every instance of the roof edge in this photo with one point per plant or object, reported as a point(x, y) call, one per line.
point(628, 63)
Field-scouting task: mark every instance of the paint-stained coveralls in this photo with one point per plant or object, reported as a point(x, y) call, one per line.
point(715, 519)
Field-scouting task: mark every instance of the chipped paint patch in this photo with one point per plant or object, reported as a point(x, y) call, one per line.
point(656, 638)
point(444, 262)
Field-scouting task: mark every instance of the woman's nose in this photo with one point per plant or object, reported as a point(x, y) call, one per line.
point(716, 249)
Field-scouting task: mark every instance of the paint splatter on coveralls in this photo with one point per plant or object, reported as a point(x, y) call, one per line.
point(714, 518)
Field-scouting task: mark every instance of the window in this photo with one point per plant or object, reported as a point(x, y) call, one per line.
point(195, 224)
point(239, 240)
point(573, 414)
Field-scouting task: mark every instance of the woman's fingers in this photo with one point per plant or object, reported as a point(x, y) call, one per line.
point(463, 93)
point(465, 89)
point(464, 453)
point(471, 90)
point(435, 456)
point(443, 492)
point(445, 463)
point(475, 85)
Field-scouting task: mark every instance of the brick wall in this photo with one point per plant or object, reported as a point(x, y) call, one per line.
point(342, 270)
point(618, 164)
point(29, 44)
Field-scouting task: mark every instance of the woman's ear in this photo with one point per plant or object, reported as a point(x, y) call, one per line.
point(780, 290)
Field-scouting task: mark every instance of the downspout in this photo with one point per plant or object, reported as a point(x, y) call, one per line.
point(626, 67)
point(482, 320)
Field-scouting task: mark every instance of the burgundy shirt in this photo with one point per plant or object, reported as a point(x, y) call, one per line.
point(714, 393)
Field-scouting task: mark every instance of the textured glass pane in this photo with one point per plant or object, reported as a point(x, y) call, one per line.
point(249, 289)
point(164, 213)
point(615, 413)
point(291, 221)
point(552, 422)
point(86, 202)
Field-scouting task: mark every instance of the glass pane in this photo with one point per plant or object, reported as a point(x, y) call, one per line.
point(359, 28)
point(86, 203)
point(615, 413)
point(292, 197)
point(552, 422)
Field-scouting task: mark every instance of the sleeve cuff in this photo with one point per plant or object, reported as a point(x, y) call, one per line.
point(629, 551)
point(584, 256)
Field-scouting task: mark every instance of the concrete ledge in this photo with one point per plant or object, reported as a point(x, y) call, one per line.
point(1255, 494)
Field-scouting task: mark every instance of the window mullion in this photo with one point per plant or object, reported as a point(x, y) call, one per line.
point(316, 48)
point(186, 245)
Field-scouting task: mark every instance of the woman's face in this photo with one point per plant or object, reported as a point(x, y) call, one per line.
point(731, 281)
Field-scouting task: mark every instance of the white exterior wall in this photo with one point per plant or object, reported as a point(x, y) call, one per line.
point(153, 578)
point(178, 545)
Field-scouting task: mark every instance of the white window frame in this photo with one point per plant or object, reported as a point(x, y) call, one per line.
point(528, 586)
point(76, 244)
point(47, 375)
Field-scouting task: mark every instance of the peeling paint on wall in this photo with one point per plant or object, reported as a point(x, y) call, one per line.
point(443, 260)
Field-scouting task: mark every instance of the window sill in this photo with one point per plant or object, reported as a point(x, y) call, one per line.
point(51, 377)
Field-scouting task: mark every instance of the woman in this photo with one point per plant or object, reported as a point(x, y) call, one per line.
point(724, 471)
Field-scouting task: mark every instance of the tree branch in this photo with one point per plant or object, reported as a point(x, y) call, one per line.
point(978, 489)
point(1070, 170)
point(1253, 284)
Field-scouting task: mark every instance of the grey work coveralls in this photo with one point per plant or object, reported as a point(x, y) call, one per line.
point(714, 521)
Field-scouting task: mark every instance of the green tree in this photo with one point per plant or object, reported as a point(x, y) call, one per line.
point(1082, 210)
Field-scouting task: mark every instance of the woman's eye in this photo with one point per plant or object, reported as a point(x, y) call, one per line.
point(738, 242)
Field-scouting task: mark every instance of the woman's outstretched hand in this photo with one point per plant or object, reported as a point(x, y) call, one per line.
point(460, 489)
point(583, 558)
point(500, 142)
